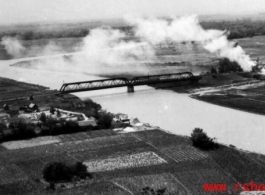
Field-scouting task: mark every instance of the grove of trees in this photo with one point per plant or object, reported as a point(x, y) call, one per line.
point(201, 140)
point(238, 28)
point(226, 66)
point(61, 172)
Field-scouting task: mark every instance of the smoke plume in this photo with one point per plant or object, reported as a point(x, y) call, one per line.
point(110, 47)
point(107, 46)
point(187, 29)
point(13, 46)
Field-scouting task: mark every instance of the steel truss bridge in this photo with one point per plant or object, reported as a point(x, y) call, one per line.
point(129, 83)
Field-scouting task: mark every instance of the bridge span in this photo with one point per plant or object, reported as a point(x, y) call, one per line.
point(129, 83)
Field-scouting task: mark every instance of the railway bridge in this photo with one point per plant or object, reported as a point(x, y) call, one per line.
point(129, 83)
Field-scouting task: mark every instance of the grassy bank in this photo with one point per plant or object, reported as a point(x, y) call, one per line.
point(249, 99)
point(236, 102)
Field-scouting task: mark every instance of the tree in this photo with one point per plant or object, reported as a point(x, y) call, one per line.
point(226, 66)
point(70, 127)
point(2, 126)
point(43, 117)
point(92, 108)
point(6, 107)
point(58, 113)
point(29, 35)
point(81, 170)
point(213, 70)
point(105, 120)
point(52, 110)
point(59, 171)
point(56, 172)
point(24, 130)
point(202, 141)
point(22, 126)
point(11, 125)
point(31, 97)
point(30, 131)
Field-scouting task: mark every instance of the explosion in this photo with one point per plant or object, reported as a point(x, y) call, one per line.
point(108, 46)
point(188, 29)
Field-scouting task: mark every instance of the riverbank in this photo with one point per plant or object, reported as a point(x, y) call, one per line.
point(229, 90)
point(245, 96)
point(46, 112)
point(127, 162)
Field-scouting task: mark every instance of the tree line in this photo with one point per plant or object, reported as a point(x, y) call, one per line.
point(238, 29)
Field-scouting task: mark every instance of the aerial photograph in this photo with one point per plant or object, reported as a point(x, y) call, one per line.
point(132, 97)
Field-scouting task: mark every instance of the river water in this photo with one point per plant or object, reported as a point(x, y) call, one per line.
point(171, 111)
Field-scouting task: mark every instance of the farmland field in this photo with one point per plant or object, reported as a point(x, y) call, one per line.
point(165, 139)
point(111, 151)
point(258, 158)
point(11, 145)
point(35, 166)
point(102, 188)
point(98, 142)
point(11, 173)
point(253, 171)
point(196, 179)
point(9, 156)
point(155, 181)
point(125, 161)
point(184, 153)
point(85, 135)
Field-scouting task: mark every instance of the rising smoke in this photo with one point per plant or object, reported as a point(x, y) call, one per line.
point(15, 47)
point(106, 46)
point(186, 29)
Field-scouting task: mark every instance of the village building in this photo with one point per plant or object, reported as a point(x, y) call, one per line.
point(88, 122)
point(121, 118)
point(6, 107)
point(33, 107)
point(28, 108)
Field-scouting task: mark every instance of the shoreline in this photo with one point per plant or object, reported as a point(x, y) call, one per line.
point(227, 90)
point(222, 105)
point(175, 91)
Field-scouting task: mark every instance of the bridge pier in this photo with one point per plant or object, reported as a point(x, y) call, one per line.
point(130, 88)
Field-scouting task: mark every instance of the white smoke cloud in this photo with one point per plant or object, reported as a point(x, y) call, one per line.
point(109, 47)
point(224, 48)
point(13, 46)
point(186, 29)
point(182, 29)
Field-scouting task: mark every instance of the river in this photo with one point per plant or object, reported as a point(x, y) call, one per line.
point(171, 111)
